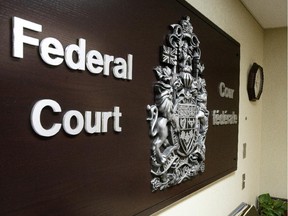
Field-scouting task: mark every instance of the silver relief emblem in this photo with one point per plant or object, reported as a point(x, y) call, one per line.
point(178, 120)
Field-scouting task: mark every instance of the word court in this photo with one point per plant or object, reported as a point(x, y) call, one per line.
point(100, 119)
point(77, 58)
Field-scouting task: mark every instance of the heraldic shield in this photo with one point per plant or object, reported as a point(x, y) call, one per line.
point(178, 120)
point(187, 126)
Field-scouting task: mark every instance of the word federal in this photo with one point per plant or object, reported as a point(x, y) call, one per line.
point(224, 118)
point(53, 53)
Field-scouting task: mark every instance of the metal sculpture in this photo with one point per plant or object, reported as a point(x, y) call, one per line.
point(179, 118)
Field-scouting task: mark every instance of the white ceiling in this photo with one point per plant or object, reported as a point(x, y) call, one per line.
point(268, 13)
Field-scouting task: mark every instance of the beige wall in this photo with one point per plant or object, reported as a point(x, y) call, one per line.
point(274, 127)
point(257, 128)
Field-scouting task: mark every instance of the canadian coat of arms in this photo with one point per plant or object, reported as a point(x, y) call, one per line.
point(179, 118)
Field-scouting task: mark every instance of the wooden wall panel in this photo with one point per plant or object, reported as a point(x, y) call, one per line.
point(109, 173)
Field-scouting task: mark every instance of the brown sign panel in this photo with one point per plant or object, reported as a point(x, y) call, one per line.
point(76, 170)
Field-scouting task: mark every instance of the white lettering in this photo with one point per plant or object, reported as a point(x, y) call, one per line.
point(225, 91)
point(105, 118)
point(130, 65)
point(224, 118)
point(117, 114)
point(46, 50)
point(67, 122)
point(120, 70)
point(52, 53)
point(88, 122)
point(79, 50)
point(74, 127)
point(36, 117)
point(94, 61)
point(107, 60)
point(19, 38)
